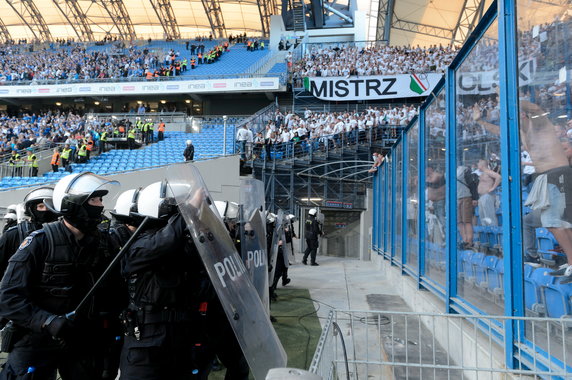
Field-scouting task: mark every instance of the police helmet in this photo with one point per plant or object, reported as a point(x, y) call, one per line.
point(313, 211)
point(157, 201)
point(291, 217)
point(189, 142)
point(221, 208)
point(126, 206)
point(11, 209)
point(37, 196)
point(10, 216)
point(270, 218)
point(74, 190)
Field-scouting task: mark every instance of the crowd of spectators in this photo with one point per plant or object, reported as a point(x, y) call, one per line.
point(374, 60)
point(330, 128)
point(75, 63)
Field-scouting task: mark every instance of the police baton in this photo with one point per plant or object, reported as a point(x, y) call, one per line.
point(72, 314)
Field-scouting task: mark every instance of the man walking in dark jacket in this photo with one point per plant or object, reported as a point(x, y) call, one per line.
point(312, 232)
point(189, 152)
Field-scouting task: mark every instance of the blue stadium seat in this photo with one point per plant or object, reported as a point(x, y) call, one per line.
point(558, 298)
point(479, 269)
point(546, 245)
point(534, 285)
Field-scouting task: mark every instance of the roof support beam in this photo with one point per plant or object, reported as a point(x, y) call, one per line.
point(118, 13)
point(266, 8)
point(384, 20)
point(428, 30)
point(5, 35)
point(73, 13)
point(31, 16)
point(214, 14)
point(167, 18)
point(470, 15)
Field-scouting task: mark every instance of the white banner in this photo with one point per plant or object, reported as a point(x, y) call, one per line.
point(487, 82)
point(140, 88)
point(372, 87)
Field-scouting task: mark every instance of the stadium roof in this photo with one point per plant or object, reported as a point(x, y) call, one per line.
point(158, 19)
point(414, 21)
point(423, 22)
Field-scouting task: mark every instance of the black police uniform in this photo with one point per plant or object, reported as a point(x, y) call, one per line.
point(9, 224)
point(312, 231)
point(162, 339)
point(189, 152)
point(11, 240)
point(47, 277)
point(175, 323)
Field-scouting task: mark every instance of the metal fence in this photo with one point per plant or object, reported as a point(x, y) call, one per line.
point(385, 135)
point(407, 345)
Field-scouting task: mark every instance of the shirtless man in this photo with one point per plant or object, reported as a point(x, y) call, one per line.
point(488, 182)
point(435, 182)
point(554, 179)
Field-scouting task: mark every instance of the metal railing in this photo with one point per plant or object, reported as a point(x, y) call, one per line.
point(257, 122)
point(116, 172)
point(167, 117)
point(385, 135)
point(402, 345)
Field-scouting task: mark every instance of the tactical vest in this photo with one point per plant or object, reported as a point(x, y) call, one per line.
point(67, 274)
point(174, 285)
point(25, 228)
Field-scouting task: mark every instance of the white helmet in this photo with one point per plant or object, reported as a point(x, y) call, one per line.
point(221, 208)
point(70, 198)
point(313, 211)
point(189, 142)
point(10, 216)
point(11, 209)
point(158, 200)
point(291, 217)
point(75, 189)
point(33, 198)
point(227, 210)
point(232, 210)
point(270, 218)
point(37, 196)
point(125, 205)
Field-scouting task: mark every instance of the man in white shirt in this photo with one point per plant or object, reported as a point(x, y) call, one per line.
point(242, 138)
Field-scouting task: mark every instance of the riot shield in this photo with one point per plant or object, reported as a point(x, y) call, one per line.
point(276, 236)
point(242, 305)
point(253, 236)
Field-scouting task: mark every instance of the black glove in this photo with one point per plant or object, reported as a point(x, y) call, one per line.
point(59, 327)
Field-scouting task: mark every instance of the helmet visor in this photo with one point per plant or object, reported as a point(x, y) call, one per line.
point(85, 186)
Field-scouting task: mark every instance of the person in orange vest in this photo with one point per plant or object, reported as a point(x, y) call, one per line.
point(149, 75)
point(200, 60)
point(55, 160)
point(193, 63)
point(161, 129)
point(89, 146)
point(122, 130)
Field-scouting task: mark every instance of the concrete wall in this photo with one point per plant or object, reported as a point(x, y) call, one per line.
point(221, 176)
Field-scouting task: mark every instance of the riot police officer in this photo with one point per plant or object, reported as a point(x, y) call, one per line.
point(10, 218)
point(174, 323)
point(312, 232)
point(162, 339)
point(38, 213)
point(47, 277)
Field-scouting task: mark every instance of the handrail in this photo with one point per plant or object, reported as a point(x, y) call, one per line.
point(205, 158)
